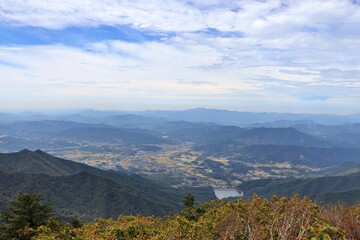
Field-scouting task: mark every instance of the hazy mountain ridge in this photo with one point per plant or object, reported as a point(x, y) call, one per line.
point(279, 136)
point(188, 153)
point(205, 115)
point(44, 128)
point(308, 156)
point(49, 134)
point(126, 136)
point(211, 133)
point(227, 117)
point(13, 144)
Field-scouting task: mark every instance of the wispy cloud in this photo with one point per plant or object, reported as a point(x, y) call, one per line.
point(196, 83)
point(223, 51)
point(173, 15)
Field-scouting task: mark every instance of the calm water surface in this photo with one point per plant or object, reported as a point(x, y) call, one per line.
point(226, 192)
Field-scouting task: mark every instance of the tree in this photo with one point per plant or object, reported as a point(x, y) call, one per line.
point(27, 213)
point(189, 200)
point(192, 211)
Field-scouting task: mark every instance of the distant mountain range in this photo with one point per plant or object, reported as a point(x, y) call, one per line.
point(125, 136)
point(298, 155)
point(312, 145)
point(13, 144)
point(207, 133)
point(344, 135)
point(78, 190)
point(43, 128)
point(197, 146)
point(329, 145)
point(223, 117)
point(50, 134)
point(198, 125)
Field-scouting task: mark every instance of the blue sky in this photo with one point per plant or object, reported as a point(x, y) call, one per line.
point(248, 55)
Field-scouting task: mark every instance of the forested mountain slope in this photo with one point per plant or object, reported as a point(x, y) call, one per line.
point(87, 192)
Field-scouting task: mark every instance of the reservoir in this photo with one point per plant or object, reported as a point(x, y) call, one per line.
point(221, 193)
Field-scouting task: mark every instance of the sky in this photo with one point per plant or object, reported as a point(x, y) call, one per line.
point(246, 55)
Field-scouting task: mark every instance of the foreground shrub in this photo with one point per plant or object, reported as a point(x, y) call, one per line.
point(279, 218)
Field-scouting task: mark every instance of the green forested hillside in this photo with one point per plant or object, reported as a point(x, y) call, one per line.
point(87, 196)
point(87, 192)
point(323, 189)
point(39, 162)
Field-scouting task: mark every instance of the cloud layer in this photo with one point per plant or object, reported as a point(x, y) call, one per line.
point(247, 55)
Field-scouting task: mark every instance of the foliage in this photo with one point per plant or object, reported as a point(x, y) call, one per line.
point(126, 227)
point(321, 231)
point(193, 211)
point(345, 218)
point(278, 218)
point(189, 200)
point(27, 214)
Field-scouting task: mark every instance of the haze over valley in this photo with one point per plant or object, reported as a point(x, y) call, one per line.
point(204, 147)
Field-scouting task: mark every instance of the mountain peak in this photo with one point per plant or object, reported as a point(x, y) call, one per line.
point(38, 151)
point(25, 151)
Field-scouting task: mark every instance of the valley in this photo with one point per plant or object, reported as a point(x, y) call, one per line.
point(180, 165)
point(130, 161)
point(185, 154)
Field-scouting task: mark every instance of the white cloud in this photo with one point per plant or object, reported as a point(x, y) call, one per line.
point(270, 17)
point(116, 70)
point(70, 71)
point(231, 45)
